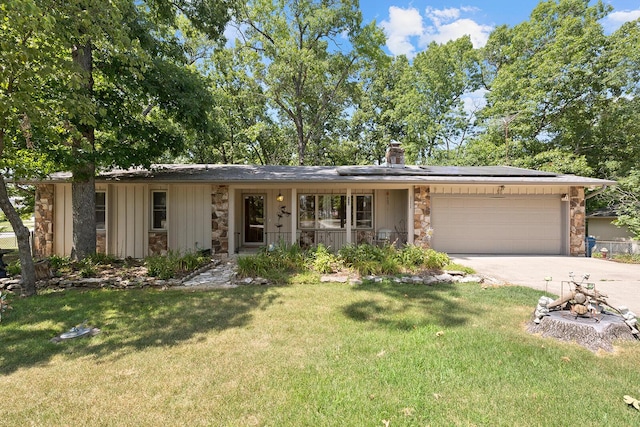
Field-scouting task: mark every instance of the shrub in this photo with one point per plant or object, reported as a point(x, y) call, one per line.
point(14, 268)
point(57, 262)
point(321, 260)
point(173, 263)
point(435, 259)
point(87, 267)
point(273, 262)
point(99, 258)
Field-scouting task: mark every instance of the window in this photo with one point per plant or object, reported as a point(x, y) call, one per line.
point(332, 211)
point(363, 211)
point(329, 211)
point(101, 210)
point(159, 214)
point(307, 211)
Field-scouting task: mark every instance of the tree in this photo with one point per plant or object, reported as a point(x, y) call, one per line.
point(310, 54)
point(376, 122)
point(128, 58)
point(430, 98)
point(551, 74)
point(91, 84)
point(31, 65)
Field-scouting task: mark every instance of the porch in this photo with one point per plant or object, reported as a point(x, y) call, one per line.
point(334, 217)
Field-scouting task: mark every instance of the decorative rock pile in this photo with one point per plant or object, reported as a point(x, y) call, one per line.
point(582, 315)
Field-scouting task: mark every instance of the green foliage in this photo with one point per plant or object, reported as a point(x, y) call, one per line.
point(307, 82)
point(321, 260)
point(86, 267)
point(174, 263)
point(14, 268)
point(626, 258)
point(372, 259)
point(275, 263)
point(626, 199)
point(58, 263)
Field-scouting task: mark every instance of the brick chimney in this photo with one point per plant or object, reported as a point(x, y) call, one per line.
point(395, 155)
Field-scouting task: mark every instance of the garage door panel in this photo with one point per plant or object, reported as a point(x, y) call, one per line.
point(507, 225)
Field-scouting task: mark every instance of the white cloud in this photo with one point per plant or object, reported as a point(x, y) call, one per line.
point(614, 20)
point(406, 31)
point(403, 24)
point(479, 34)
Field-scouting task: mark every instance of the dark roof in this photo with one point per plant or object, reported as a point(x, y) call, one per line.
point(609, 212)
point(281, 174)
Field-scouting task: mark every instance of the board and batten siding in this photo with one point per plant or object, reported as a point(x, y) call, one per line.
point(128, 220)
point(189, 217)
point(63, 220)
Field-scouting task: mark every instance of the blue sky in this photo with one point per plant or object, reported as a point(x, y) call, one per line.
point(410, 25)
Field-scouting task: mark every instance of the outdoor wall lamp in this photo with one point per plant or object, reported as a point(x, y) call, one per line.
point(279, 197)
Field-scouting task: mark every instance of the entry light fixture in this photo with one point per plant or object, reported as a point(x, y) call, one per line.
point(279, 197)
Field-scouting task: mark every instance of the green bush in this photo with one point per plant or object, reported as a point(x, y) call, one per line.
point(57, 262)
point(99, 258)
point(87, 267)
point(14, 268)
point(173, 264)
point(273, 262)
point(435, 259)
point(321, 260)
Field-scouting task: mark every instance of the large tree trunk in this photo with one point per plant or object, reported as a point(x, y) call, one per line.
point(84, 221)
point(83, 185)
point(24, 245)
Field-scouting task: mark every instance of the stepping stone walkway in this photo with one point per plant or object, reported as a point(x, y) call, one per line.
point(222, 275)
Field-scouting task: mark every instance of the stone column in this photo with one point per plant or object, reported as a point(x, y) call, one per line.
point(220, 219)
point(158, 244)
point(43, 228)
point(101, 241)
point(422, 216)
point(577, 227)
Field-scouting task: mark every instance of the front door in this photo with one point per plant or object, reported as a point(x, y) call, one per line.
point(254, 219)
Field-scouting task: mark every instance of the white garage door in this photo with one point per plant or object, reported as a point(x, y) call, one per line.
point(487, 225)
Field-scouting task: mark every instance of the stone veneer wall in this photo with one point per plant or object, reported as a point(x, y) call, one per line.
point(422, 216)
point(158, 244)
point(101, 241)
point(577, 221)
point(43, 228)
point(220, 219)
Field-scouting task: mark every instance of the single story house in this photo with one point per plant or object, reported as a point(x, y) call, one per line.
point(600, 225)
point(231, 208)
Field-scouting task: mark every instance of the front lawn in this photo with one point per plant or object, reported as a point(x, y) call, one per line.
point(306, 354)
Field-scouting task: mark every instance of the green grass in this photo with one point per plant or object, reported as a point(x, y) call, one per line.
point(305, 354)
point(5, 226)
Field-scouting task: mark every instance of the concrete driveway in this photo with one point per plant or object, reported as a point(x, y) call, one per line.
point(621, 282)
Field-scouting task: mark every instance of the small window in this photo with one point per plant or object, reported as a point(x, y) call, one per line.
point(101, 210)
point(159, 214)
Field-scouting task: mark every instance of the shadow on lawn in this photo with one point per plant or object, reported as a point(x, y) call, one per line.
point(411, 306)
point(129, 321)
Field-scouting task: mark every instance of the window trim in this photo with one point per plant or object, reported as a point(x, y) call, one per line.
point(153, 210)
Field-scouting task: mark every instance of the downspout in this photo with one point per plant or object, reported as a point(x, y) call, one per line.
point(597, 192)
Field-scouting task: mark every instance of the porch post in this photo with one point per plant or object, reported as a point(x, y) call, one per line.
point(348, 216)
point(294, 216)
point(232, 221)
point(410, 216)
